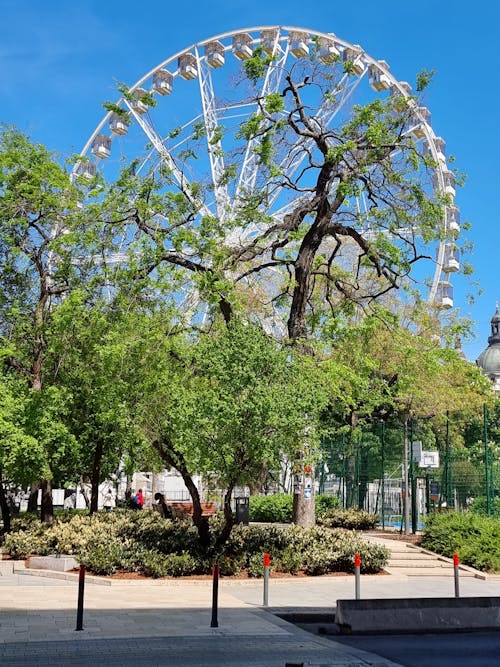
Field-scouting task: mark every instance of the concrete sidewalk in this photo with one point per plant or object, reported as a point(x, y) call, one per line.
point(167, 622)
point(155, 623)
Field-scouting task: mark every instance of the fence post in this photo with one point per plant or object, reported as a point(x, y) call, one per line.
point(487, 461)
point(267, 562)
point(81, 587)
point(456, 561)
point(215, 596)
point(357, 576)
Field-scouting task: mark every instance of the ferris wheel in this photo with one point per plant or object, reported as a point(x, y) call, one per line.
point(185, 116)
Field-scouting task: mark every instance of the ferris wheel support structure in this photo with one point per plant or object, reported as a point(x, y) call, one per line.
point(206, 58)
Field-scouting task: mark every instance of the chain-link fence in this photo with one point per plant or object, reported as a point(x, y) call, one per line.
point(387, 466)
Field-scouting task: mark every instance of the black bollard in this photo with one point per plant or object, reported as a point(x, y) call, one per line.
point(215, 597)
point(81, 587)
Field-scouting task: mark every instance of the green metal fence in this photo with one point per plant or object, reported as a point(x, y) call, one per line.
point(366, 468)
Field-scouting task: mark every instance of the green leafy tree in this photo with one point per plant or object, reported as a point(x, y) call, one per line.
point(38, 217)
point(94, 347)
point(22, 456)
point(322, 258)
point(227, 404)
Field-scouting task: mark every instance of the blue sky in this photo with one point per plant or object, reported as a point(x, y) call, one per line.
point(59, 61)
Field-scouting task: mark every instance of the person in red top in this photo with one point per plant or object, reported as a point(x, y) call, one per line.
point(139, 500)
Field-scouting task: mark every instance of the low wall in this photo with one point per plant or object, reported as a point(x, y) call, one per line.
point(417, 615)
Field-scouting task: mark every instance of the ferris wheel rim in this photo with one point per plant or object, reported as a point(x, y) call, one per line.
point(284, 33)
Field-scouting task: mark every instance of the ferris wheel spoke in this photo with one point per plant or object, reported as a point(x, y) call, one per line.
point(212, 132)
point(271, 84)
point(212, 184)
point(168, 160)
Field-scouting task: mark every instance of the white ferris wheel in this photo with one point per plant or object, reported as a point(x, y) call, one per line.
point(186, 113)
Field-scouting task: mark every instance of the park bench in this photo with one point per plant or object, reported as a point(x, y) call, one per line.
point(183, 509)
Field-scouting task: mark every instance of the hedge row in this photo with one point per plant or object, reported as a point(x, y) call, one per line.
point(350, 519)
point(144, 542)
point(278, 508)
point(475, 538)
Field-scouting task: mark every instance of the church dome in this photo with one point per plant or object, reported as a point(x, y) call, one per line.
point(489, 360)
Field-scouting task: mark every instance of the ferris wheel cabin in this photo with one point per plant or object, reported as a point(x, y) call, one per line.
point(117, 124)
point(378, 78)
point(242, 46)
point(444, 295)
point(353, 55)
point(163, 82)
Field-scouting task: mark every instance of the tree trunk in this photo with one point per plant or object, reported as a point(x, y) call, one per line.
point(96, 477)
point(4, 508)
point(174, 460)
point(47, 513)
point(33, 497)
point(304, 511)
point(83, 489)
point(297, 327)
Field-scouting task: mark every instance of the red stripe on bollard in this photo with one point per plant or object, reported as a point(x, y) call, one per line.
point(357, 560)
point(267, 560)
point(456, 570)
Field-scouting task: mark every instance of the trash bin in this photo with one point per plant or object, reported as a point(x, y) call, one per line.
point(242, 510)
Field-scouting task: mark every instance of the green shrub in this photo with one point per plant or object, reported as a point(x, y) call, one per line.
point(22, 543)
point(256, 565)
point(474, 537)
point(278, 508)
point(231, 565)
point(350, 519)
point(325, 503)
point(271, 509)
point(155, 564)
point(290, 561)
point(479, 506)
point(102, 558)
point(144, 542)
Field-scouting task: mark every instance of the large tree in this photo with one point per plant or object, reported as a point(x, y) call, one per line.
point(225, 405)
point(38, 216)
point(313, 252)
point(90, 350)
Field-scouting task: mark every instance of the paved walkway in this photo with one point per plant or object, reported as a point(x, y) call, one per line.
point(168, 622)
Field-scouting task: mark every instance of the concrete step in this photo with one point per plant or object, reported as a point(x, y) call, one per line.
point(411, 555)
point(422, 565)
point(425, 572)
point(409, 560)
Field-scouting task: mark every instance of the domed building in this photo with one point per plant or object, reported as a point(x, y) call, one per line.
point(489, 359)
